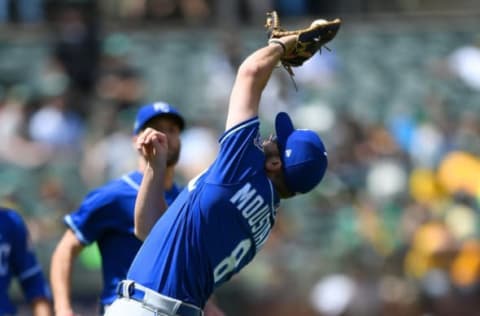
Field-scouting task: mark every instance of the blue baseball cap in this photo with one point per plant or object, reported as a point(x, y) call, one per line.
point(149, 111)
point(303, 155)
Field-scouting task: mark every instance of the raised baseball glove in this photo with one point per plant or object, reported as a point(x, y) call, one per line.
point(310, 39)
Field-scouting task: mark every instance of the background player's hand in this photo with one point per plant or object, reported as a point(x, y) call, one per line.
point(153, 146)
point(211, 309)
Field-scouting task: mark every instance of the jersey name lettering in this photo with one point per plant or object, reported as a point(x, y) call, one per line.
point(4, 254)
point(255, 211)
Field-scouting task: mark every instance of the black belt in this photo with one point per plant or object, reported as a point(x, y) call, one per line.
point(156, 300)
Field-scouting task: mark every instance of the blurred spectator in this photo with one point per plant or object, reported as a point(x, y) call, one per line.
point(54, 124)
point(432, 248)
point(185, 11)
point(101, 161)
point(116, 52)
point(333, 294)
point(464, 62)
point(15, 147)
point(119, 82)
point(119, 88)
point(122, 87)
point(424, 187)
point(194, 11)
point(465, 269)
point(457, 173)
point(199, 149)
point(77, 47)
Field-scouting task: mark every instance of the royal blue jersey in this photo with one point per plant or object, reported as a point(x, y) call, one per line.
point(106, 216)
point(17, 259)
point(216, 225)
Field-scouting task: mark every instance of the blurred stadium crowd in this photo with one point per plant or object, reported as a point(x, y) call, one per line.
point(393, 230)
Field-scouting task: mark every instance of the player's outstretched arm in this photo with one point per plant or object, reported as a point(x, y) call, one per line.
point(150, 203)
point(61, 268)
point(252, 77)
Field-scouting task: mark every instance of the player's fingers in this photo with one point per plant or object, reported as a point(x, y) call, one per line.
point(141, 146)
point(140, 141)
point(158, 141)
point(145, 135)
point(153, 136)
point(161, 138)
point(151, 142)
point(159, 147)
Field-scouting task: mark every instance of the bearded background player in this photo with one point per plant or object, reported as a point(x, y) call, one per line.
point(221, 220)
point(106, 216)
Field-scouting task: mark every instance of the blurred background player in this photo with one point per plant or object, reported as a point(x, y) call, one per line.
point(224, 216)
point(17, 259)
point(106, 216)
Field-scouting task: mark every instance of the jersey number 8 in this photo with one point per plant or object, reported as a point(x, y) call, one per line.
point(231, 262)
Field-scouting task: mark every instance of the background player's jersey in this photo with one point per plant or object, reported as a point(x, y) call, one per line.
point(106, 216)
point(17, 259)
point(216, 225)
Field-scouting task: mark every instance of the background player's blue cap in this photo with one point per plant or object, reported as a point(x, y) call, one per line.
point(149, 111)
point(303, 155)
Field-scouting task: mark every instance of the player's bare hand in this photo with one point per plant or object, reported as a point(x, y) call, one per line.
point(153, 146)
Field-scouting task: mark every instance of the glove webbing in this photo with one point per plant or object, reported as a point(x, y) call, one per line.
point(275, 31)
point(273, 26)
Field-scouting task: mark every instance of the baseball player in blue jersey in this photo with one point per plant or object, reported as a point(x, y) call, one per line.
point(105, 215)
point(17, 259)
point(224, 216)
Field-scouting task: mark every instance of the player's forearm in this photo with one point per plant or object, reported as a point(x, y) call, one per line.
point(150, 203)
point(252, 77)
point(258, 66)
point(60, 275)
point(41, 307)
